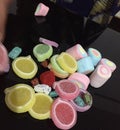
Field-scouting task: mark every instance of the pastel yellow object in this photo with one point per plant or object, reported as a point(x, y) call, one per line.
point(42, 106)
point(25, 67)
point(56, 66)
point(57, 74)
point(67, 62)
point(19, 98)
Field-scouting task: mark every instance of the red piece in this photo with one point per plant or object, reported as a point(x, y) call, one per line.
point(34, 82)
point(44, 64)
point(47, 77)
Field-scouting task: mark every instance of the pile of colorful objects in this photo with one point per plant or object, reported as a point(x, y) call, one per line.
point(69, 94)
point(58, 100)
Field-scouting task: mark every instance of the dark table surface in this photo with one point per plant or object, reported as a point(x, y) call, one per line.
point(24, 30)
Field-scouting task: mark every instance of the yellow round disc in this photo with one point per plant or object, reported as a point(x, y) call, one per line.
point(42, 106)
point(25, 67)
point(19, 98)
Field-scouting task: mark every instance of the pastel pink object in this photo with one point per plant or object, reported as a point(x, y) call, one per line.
point(81, 79)
point(77, 51)
point(4, 60)
point(100, 76)
point(108, 63)
point(48, 42)
point(66, 89)
point(63, 114)
point(41, 10)
point(82, 108)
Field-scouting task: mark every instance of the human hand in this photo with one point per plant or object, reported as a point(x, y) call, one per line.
point(4, 4)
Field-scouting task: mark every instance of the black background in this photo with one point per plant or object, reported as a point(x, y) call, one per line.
point(24, 30)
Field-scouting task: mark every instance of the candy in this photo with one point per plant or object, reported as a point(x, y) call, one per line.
point(56, 66)
point(100, 76)
point(95, 55)
point(85, 65)
point(82, 80)
point(108, 63)
point(15, 52)
point(44, 63)
point(57, 74)
point(47, 77)
point(81, 103)
point(34, 81)
point(53, 94)
point(43, 88)
point(67, 62)
point(41, 10)
point(66, 89)
point(48, 42)
point(77, 51)
point(42, 52)
point(63, 114)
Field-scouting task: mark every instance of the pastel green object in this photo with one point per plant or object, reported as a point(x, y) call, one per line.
point(56, 66)
point(42, 52)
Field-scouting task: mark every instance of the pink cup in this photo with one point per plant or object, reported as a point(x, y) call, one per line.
point(4, 60)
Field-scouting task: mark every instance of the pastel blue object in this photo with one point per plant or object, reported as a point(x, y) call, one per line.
point(85, 65)
point(95, 55)
point(79, 101)
point(15, 52)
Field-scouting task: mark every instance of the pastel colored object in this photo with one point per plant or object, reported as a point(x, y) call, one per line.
point(43, 88)
point(15, 52)
point(42, 52)
point(42, 106)
point(57, 74)
point(66, 89)
point(95, 55)
point(108, 63)
point(47, 77)
point(48, 42)
point(41, 10)
point(56, 66)
point(100, 76)
point(85, 65)
point(63, 114)
point(4, 60)
point(67, 62)
point(82, 79)
point(80, 103)
point(24, 67)
point(77, 51)
point(53, 94)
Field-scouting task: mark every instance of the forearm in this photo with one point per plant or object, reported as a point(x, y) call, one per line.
point(3, 16)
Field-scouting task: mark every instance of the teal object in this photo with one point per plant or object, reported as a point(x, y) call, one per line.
point(15, 52)
point(79, 101)
point(53, 94)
